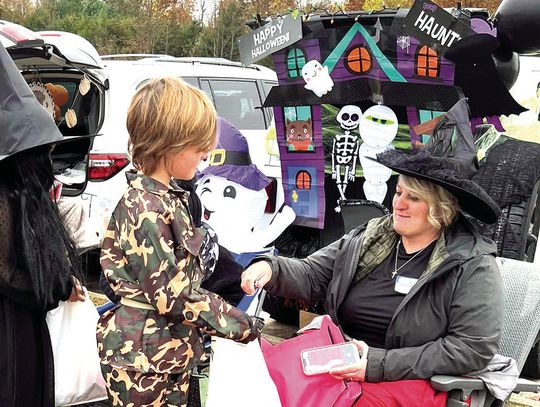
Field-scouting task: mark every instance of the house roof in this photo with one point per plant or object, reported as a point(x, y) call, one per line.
point(425, 96)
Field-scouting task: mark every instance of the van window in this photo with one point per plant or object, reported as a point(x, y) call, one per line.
point(191, 81)
point(205, 87)
point(188, 79)
point(237, 101)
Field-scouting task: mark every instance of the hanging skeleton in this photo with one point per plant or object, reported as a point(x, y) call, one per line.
point(345, 148)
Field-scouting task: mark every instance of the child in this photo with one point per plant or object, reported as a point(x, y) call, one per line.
point(149, 343)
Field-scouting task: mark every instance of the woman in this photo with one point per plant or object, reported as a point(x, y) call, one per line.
point(419, 287)
point(151, 255)
point(37, 258)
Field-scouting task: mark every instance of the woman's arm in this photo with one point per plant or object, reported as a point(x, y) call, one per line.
point(474, 329)
point(305, 279)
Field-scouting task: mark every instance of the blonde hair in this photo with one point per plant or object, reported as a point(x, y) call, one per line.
point(165, 116)
point(443, 206)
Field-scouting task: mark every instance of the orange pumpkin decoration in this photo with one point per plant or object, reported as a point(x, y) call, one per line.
point(61, 95)
point(52, 90)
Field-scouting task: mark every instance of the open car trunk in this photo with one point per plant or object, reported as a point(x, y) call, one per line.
point(67, 77)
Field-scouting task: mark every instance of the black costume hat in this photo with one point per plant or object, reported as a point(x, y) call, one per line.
point(422, 165)
point(24, 122)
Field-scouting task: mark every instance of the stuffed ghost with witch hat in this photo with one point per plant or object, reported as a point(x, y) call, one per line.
point(233, 196)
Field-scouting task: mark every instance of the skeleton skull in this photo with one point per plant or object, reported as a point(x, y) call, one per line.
point(349, 117)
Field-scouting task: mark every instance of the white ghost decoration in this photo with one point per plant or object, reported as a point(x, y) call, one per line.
point(378, 128)
point(235, 212)
point(317, 78)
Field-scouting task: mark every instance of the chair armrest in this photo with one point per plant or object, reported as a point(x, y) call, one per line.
point(448, 383)
point(527, 385)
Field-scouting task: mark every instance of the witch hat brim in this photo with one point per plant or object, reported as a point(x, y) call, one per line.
point(249, 176)
point(421, 165)
point(24, 122)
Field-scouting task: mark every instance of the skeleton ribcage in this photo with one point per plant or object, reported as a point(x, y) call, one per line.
point(345, 148)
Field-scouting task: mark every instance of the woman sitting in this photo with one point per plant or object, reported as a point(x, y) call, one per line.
point(420, 287)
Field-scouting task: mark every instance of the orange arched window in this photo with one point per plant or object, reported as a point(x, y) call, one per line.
point(427, 62)
point(303, 180)
point(358, 60)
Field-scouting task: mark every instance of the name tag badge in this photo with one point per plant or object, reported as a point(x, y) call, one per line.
point(404, 284)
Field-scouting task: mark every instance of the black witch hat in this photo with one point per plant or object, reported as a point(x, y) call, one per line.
point(422, 165)
point(24, 122)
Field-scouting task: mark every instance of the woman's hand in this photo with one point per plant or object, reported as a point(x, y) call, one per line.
point(355, 372)
point(77, 292)
point(256, 276)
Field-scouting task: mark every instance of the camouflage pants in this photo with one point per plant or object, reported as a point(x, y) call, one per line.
point(137, 389)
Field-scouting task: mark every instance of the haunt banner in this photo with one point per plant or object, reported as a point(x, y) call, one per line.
point(278, 34)
point(431, 24)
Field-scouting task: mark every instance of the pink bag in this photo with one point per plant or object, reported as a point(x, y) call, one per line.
point(294, 387)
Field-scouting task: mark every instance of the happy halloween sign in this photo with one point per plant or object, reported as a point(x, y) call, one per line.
point(278, 34)
point(431, 24)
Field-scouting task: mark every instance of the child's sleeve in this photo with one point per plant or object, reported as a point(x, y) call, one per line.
point(166, 272)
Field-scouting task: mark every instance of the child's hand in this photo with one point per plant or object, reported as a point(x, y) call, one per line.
point(77, 292)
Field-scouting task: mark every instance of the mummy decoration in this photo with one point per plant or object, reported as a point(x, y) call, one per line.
point(317, 78)
point(345, 148)
point(378, 128)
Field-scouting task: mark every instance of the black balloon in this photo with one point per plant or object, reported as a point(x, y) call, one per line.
point(507, 65)
point(517, 24)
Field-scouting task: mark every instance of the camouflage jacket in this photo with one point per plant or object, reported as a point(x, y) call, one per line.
point(150, 254)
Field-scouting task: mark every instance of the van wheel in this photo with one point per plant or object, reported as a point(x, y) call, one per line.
point(521, 238)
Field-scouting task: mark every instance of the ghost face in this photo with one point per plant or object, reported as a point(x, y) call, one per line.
point(231, 210)
point(378, 126)
point(317, 78)
point(311, 70)
point(349, 117)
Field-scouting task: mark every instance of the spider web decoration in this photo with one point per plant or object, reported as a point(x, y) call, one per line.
point(404, 42)
point(43, 96)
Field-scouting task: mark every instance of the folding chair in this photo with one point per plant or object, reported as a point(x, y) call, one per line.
point(520, 327)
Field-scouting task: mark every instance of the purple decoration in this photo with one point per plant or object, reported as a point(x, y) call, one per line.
point(481, 26)
point(412, 121)
point(311, 215)
point(406, 66)
point(429, 7)
point(341, 73)
point(238, 170)
point(311, 51)
point(494, 120)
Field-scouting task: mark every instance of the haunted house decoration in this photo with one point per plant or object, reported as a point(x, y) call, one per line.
point(360, 83)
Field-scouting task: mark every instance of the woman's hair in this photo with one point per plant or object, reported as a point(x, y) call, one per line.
point(443, 206)
point(42, 245)
point(165, 116)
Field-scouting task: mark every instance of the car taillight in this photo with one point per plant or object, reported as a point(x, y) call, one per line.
point(20, 35)
point(104, 166)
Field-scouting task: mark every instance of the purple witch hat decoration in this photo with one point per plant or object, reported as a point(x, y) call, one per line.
point(231, 159)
